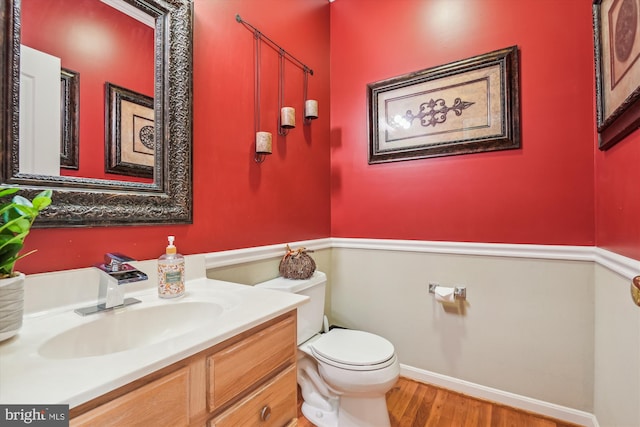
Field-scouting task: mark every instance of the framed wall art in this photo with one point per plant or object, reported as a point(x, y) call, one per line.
point(70, 116)
point(130, 132)
point(463, 107)
point(616, 29)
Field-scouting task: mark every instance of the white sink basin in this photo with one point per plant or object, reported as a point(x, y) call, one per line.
point(130, 328)
point(59, 357)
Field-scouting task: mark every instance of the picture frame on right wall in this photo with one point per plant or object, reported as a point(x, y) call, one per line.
point(462, 107)
point(616, 30)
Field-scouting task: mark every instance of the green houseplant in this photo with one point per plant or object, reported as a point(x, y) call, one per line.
point(16, 218)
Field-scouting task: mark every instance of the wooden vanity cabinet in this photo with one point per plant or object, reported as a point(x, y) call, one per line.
point(248, 380)
point(268, 406)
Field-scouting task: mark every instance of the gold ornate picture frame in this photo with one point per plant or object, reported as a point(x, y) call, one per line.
point(463, 107)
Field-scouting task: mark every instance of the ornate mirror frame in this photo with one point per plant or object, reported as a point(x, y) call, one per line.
point(93, 202)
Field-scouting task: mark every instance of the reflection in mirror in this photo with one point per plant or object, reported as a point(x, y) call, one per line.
point(123, 157)
point(102, 42)
point(69, 120)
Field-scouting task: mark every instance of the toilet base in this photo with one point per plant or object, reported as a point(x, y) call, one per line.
point(319, 417)
point(351, 412)
point(363, 412)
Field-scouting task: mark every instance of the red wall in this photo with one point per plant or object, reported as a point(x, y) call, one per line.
point(547, 192)
point(542, 193)
point(618, 197)
point(237, 203)
point(113, 47)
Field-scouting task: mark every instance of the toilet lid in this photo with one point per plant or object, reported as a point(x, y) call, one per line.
point(353, 348)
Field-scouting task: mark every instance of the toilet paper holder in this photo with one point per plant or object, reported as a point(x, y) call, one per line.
point(459, 292)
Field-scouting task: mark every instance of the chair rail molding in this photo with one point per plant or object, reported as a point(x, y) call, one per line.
point(624, 266)
point(259, 253)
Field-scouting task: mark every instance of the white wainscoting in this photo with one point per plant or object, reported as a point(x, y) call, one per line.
point(623, 268)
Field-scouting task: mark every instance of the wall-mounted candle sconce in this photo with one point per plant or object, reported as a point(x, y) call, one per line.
point(287, 117)
point(263, 145)
point(310, 105)
point(263, 139)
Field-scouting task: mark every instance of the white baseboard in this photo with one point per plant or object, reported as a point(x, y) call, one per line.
point(494, 395)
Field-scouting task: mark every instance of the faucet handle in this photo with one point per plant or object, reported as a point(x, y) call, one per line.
point(115, 265)
point(113, 261)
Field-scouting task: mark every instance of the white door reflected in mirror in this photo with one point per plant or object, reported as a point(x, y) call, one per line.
point(39, 112)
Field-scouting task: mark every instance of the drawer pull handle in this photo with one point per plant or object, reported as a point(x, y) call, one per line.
point(265, 413)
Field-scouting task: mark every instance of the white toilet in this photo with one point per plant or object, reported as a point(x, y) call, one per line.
point(344, 374)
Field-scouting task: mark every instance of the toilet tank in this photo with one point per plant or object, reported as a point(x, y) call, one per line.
point(311, 314)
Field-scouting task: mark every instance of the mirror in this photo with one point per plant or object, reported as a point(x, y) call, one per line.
point(166, 196)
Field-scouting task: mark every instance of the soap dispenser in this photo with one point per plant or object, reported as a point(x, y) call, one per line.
point(171, 272)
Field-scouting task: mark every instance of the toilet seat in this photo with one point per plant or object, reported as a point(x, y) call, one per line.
point(353, 350)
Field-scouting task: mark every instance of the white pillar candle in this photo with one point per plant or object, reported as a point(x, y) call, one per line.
point(263, 142)
point(288, 117)
point(310, 109)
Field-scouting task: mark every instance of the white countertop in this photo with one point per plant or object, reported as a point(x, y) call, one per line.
point(27, 377)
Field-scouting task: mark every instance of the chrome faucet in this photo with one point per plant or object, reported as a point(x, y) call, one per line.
point(114, 272)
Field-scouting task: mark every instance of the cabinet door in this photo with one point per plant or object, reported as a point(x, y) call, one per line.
point(274, 405)
point(246, 364)
point(163, 402)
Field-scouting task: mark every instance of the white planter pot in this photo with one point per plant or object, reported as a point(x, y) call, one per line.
point(11, 305)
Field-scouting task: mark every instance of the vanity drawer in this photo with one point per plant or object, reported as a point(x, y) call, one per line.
point(274, 405)
point(164, 402)
point(250, 362)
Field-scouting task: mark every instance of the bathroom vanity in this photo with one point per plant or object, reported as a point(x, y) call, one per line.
point(247, 380)
point(222, 355)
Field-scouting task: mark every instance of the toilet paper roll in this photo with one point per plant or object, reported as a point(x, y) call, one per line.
point(445, 294)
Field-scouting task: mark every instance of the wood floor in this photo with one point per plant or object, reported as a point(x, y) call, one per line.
point(415, 404)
